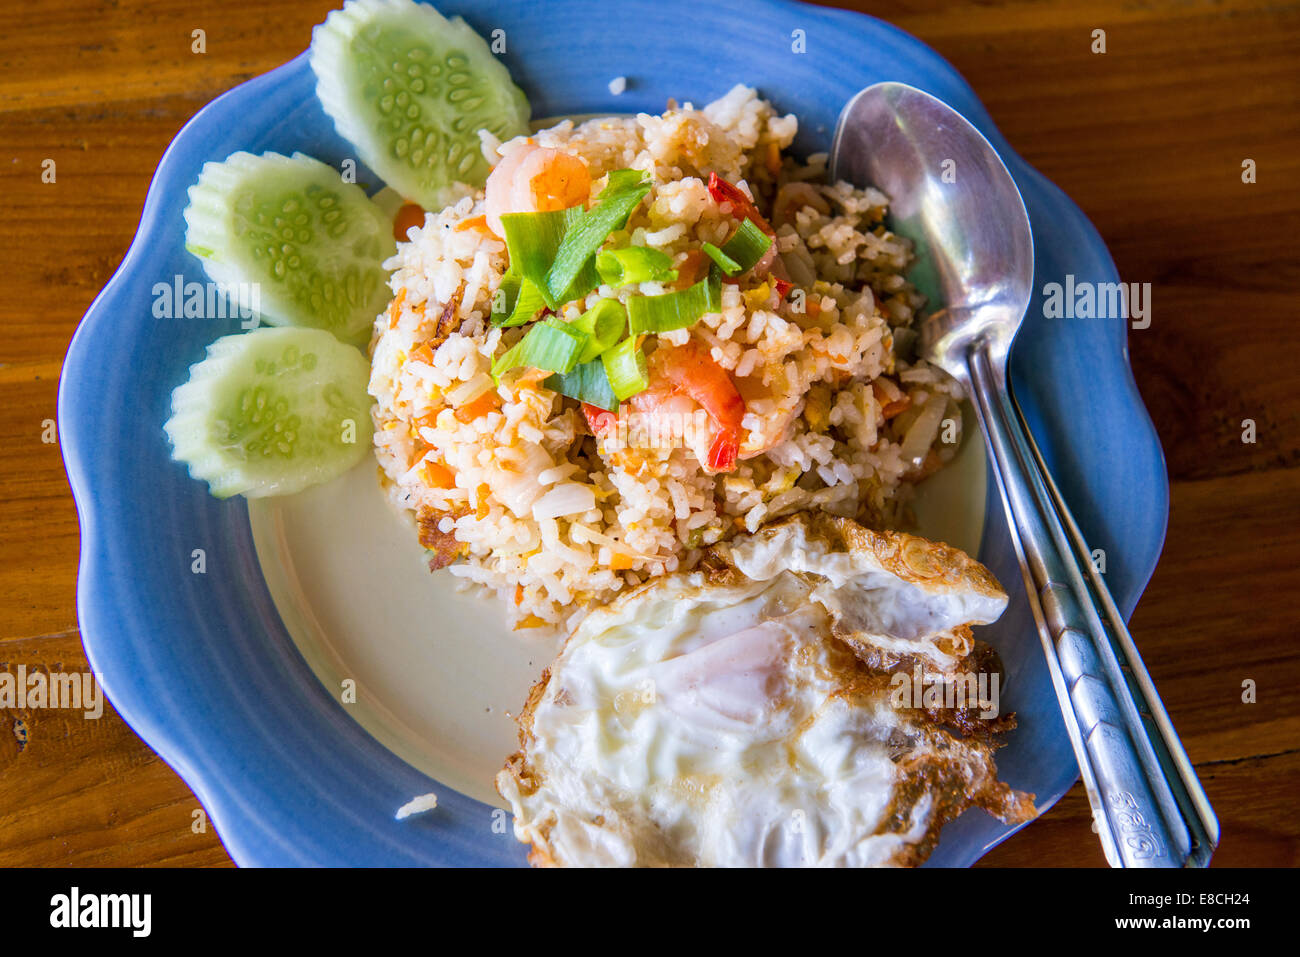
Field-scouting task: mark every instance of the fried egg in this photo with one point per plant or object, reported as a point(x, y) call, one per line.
point(740, 714)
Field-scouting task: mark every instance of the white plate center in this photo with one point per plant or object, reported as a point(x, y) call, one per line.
point(438, 675)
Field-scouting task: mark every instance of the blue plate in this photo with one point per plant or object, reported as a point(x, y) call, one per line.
point(201, 665)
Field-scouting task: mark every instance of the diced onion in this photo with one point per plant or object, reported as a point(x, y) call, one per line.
point(567, 498)
point(923, 431)
point(468, 391)
point(514, 476)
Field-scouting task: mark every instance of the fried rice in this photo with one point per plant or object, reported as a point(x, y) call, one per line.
point(510, 489)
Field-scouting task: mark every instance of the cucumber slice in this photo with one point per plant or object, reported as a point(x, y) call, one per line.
point(312, 245)
point(410, 90)
point(272, 411)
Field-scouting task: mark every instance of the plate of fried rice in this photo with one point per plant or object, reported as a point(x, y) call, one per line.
point(552, 508)
point(373, 638)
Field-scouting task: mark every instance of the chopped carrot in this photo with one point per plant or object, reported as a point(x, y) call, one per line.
point(422, 353)
point(395, 307)
point(890, 398)
point(620, 562)
point(437, 475)
point(474, 222)
point(519, 594)
point(484, 404)
point(421, 447)
point(483, 509)
point(530, 621)
point(530, 377)
point(408, 216)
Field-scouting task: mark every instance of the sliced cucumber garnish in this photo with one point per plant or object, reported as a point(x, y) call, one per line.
point(410, 90)
point(271, 412)
point(312, 244)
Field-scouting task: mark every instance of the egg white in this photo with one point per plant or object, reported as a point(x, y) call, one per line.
point(715, 719)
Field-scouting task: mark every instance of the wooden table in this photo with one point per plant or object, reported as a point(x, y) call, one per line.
point(1148, 138)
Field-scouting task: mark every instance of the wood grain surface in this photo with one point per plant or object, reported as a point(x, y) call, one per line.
point(1148, 138)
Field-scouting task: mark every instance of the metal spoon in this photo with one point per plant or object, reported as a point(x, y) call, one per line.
point(1148, 805)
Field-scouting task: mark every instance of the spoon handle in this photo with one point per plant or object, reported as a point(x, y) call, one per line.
point(1148, 806)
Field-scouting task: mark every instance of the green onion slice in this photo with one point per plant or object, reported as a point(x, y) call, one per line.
point(586, 383)
point(724, 262)
point(623, 179)
point(634, 264)
point(675, 310)
point(523, 307)
point(505, 297)
point(746, 246)
point(550, 345)
point(533, 241)
point(603, 324)
point(625, 366)
point(507, 360)
point(573, 272)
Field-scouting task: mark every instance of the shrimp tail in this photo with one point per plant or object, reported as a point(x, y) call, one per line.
point(724, 451)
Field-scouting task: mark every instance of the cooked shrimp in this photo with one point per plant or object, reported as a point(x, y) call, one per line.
point(534, 179)
point(688, 372)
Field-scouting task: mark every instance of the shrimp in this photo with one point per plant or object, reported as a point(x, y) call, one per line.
point(680, 373)
point(533, 179)
point(684, 380)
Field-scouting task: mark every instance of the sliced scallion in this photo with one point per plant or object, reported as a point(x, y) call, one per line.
point(747, 245)
point(625, 366)
point(604, 324)
point(675, 310)
point(528, 302)
point(507, 360)
point(634, 264)
point(724, 262)
point(552, 346)
point(573, 272)
point(623, 179)
point(586, 383)
point(533, 241)
point(505, 297)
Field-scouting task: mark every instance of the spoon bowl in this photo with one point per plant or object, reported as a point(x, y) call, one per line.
point(951, 194)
